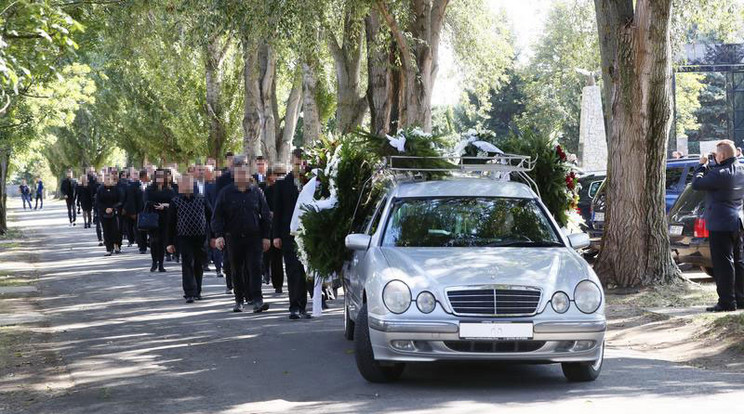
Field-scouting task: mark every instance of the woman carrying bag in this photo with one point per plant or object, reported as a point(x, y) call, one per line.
point(158, 196)
point(109, 199)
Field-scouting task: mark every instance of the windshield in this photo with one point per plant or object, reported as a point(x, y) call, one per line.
point(468, 222)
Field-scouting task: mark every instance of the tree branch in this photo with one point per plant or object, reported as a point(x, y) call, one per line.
point(400, 39)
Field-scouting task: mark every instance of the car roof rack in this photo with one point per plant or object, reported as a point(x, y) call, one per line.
point(498, 167)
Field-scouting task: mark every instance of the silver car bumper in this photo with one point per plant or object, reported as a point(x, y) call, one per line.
point(419, 341)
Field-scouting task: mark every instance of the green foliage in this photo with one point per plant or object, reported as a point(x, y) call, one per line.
point(687, 102)
point(553, 91)
point(417, 144)
point(551, 172)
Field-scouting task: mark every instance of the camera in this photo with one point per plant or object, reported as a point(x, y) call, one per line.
point(712, 158)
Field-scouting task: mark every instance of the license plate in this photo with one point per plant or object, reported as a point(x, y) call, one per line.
point(496, 331)
point(598, 216)
point(675, 230)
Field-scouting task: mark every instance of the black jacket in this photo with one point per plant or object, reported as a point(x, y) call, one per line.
point(134, 201)
point(285, 197)
point(109, 197)
point(224, 180)
point(68, 188)
point(84, 197)
point(154, 195)
point(724, 187)
point(241, 213)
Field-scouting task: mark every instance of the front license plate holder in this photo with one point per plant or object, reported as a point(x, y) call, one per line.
point(496, 331)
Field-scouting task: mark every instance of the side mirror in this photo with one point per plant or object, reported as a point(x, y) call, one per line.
point(358, 241)
point(579, 241)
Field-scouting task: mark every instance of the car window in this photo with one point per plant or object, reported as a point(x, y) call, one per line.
point(593, 187)
point(690, 175)
point(673, 174)
point(468, 222)
point(689, 202)
point(375, 221)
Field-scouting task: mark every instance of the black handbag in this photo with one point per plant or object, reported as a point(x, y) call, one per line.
point(148, 220)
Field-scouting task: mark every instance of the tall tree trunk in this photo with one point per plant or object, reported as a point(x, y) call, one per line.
point(267, 61)
point(310, 114)
point(216, 51)
point(419, 58)
point(347, 57)
point(379, 77)
point(291, 116)
point(636, 65)
point(252, 107)
point(4, 163)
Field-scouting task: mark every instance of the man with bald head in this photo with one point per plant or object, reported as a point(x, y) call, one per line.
point(242, 222)
point(721, 176)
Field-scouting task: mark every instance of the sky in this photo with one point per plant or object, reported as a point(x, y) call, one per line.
point(526, 20)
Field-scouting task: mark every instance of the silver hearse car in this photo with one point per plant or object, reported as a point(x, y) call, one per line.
point(470, 269)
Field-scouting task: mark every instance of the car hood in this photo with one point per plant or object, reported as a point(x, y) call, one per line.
point(555, 268)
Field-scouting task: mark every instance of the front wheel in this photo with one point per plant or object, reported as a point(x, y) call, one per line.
point(583, 371)
point(370, 368)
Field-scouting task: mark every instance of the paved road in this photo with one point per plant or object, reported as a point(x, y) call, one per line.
point(131, 345)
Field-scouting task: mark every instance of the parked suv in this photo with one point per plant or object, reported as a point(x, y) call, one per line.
point(470, 269)
point(679, 173)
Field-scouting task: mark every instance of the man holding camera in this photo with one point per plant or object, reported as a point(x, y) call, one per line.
point(721, 176)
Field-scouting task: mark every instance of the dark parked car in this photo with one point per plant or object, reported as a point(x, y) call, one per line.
point(678, 174)
point(590, 184)
point(687, 232)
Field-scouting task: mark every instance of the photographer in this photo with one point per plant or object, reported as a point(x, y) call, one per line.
point(721, 176)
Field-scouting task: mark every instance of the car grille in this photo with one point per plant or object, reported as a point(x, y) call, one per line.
point(494, 346)
point(494, 301)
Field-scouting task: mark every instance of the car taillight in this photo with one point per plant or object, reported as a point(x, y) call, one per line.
point(700, 229)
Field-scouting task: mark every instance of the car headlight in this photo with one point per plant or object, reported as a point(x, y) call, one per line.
point(396, 296)
point(560, 302)
point(587, 296)
point(426, 302)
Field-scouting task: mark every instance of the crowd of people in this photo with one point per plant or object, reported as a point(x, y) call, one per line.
point(236, 218)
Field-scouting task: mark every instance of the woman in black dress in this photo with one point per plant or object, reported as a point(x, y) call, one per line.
point(85, 201)
point(109, 200)
point(158, 196)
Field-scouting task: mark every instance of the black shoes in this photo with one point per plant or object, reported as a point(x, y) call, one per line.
point(719, 308)
point(260, 307)
point(74, 224)
point(219, 274)
point(189, 299)
point(161, 269)
point(277, 291)
point(168, 258)
point(100, 243)
point(154, 267)
point(109, 253)
point(143, 251)
point(198, 297)
point(238, 307)
point(299, 315)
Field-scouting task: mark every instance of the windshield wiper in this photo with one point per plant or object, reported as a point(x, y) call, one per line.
point(523, 243)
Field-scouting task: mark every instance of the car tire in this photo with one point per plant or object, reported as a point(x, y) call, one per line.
point(348, 323)
point(708, 270)
point(371, 369)
point(583, 371)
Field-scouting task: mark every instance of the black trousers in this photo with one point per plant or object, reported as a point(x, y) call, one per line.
point(97, 220)
point(274, 267)
point(110, 232)
point(87, 218)
point(157, 244)
point(71, 209)
point(193, 257)
point(129, 227)
point(39, 197)
point(226, 266)
point(728, 266)
point(246, 256)
point(296, 277)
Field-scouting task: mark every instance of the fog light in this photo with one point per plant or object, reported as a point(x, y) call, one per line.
point(583, 346)
point(403, 345)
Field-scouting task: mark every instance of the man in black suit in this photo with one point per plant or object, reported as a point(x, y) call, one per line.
point(261, 172)
point(68, 191)
point(724, 187)
point(273, 262)
point(285, 197)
